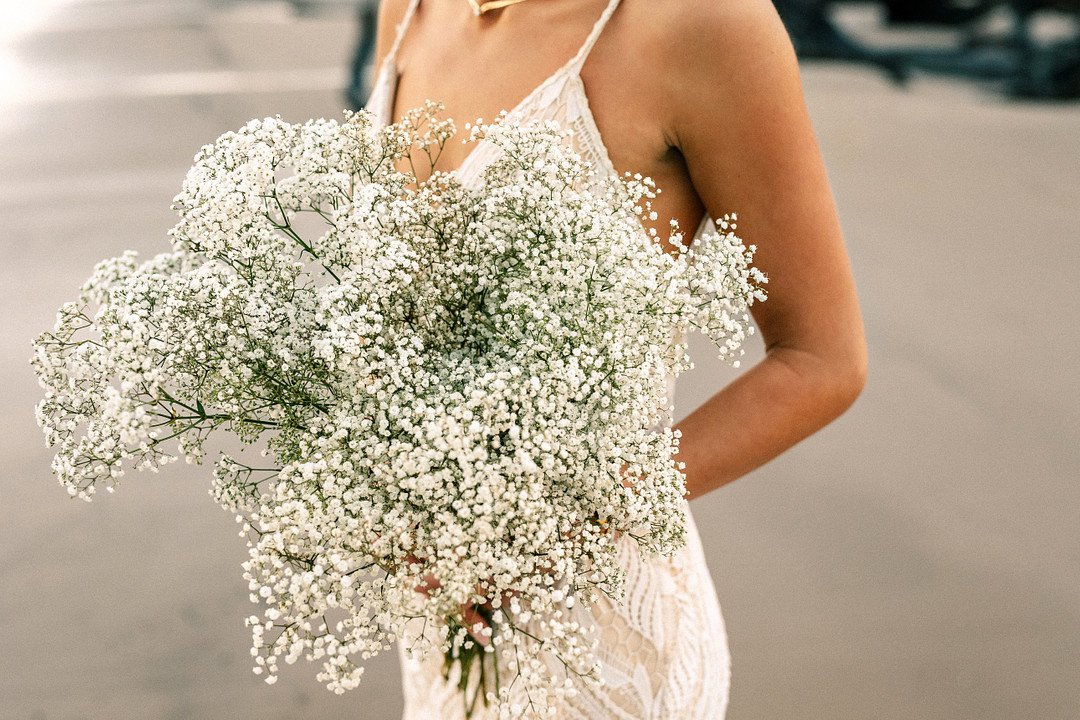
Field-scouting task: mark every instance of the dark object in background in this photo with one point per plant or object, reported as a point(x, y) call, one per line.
point(367, 20)
point(815, 35)
point(367, 17)
point(1051, 70)
point(934, 12)
point(1023, 67)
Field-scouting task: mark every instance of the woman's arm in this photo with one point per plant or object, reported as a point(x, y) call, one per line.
point(740, 120)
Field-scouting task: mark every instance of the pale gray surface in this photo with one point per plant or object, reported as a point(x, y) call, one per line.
point(918, 558)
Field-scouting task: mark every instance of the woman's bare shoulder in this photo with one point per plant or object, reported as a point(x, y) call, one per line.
point(701, 34)
point(716, 53)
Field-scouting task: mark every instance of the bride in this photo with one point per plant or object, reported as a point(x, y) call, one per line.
point(705, 97)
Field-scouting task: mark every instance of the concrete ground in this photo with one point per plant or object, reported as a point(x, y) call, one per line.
point(918, 558)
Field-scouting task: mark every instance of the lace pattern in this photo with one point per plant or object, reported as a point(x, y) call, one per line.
point(663, 648)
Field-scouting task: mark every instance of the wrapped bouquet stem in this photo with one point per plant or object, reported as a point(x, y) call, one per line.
point(447, 388)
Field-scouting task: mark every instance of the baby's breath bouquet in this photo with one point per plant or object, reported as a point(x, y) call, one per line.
point(452, 389)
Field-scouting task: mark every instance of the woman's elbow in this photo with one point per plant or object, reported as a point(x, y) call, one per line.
point(832, 378)
point(850, 379)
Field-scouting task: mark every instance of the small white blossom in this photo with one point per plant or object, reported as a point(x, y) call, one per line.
point(441, 381)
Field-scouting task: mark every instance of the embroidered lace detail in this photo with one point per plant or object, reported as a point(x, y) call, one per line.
point(664, 647)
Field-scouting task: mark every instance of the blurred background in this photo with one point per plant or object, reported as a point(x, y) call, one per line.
point(918, 558)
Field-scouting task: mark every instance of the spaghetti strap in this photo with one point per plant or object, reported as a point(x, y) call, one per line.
point(401, 27)
point(579, 59)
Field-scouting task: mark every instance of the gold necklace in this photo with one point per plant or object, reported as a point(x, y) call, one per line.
point(483, 7)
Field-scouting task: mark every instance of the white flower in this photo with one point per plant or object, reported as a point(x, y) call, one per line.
point(440, 380)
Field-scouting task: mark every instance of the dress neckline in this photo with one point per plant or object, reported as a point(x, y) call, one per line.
point(569, 71)
point(388, 76)
point(566, 72)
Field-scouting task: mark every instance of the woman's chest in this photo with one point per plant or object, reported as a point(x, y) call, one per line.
point(613, 103)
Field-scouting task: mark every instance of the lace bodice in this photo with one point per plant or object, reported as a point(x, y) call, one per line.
point(663, 648)
point(560, 97)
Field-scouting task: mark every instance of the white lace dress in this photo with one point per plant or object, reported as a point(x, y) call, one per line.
point(663, 649)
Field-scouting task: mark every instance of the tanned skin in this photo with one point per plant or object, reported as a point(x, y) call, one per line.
point(706, 98)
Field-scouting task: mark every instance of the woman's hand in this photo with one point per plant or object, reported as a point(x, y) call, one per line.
point(477, 617)
point(472, 615)
point(627, 481)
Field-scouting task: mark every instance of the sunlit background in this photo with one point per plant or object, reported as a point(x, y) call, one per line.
point(919, 558)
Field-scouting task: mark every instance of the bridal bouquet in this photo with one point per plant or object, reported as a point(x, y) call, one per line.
point(455, 390)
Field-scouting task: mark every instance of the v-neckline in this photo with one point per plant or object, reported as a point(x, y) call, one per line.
point(390, 66)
